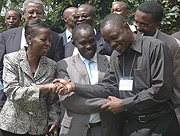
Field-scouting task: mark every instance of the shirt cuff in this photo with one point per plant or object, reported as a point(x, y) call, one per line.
point(128, 104)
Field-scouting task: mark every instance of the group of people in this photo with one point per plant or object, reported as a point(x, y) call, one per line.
point(121, 81)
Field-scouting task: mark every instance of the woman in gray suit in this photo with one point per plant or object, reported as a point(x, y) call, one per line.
point(32, 107)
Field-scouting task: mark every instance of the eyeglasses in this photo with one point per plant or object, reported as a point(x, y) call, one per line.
point(13, 18)
point(32, 12)
point(143, 25)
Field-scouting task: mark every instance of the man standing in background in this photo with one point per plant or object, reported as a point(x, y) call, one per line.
point(12, 18)
point(68, 16)
point(148, 19)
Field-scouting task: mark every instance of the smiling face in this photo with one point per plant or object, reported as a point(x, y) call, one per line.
point(41, 42)
point(85, 41)
point(85, 14)
point(146, 20)
point(118, 38)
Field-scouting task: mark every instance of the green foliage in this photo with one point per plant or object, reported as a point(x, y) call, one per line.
point(54, 12)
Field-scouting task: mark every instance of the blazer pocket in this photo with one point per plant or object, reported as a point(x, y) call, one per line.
point(142, 79)
point(66, 122)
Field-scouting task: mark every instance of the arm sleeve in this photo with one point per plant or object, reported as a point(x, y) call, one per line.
point(13, 89)
point(75, 102)
point(161, 88)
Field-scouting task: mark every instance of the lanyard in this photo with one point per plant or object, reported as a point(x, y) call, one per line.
point(131, 65)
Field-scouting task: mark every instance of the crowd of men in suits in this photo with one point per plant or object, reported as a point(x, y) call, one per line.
point(83, 115)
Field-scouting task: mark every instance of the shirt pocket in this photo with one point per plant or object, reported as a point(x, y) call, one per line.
point(142, 79)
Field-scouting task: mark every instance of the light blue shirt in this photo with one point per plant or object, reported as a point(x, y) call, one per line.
point(68, 36)
point(1, 86)
point(93, 76)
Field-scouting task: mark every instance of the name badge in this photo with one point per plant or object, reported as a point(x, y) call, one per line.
point(125, 84)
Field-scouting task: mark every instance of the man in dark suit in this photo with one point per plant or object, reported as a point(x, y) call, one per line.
point(84, 115)
point(12, 18)
point(148, 19)
point(13, 40)
point(68, 16)
point(176, 35)
point(86, 14)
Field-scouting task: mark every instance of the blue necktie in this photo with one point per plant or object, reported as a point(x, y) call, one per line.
point(87, 63)
point(95, 116)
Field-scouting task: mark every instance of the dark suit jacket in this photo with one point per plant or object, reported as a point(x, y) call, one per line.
point(10, 41)
point(64, 37)
point(176, 35)
point(102, 47)
point(175, 52)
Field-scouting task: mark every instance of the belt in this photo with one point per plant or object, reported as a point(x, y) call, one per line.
point(94, 124)
point(146, 118)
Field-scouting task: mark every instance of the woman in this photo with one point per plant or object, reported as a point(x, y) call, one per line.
point(31, 106)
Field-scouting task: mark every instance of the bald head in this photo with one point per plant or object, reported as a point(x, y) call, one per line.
point(120, 8)
point(85, 14)
point(69, 17)
point(69, 11)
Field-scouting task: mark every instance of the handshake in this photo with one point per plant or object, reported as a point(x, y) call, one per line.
point(63, 87)
point(59, 86)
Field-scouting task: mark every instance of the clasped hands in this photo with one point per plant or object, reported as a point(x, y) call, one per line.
point(64, 87)
point(59, 86)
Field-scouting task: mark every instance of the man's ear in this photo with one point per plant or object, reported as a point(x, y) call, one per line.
point(158, 25)
point(65, 19)
point(29, 39)
point(128, 13)
point(126, 25)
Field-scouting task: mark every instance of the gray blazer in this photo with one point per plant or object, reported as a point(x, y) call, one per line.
point(78, 109)
point(64, 37)
point(27, 110)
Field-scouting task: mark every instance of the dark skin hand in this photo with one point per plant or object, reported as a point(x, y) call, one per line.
point(64, 86)
point(114, 105)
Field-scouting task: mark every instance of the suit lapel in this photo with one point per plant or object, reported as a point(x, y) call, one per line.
point(80, 68)
point(42, 68)
point(24, 63)
point(17, 39)
point(25, 66)
point(99, 42)
point(102, 66)
point(161, 37)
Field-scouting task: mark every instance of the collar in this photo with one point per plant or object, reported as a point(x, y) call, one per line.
point(95, 31)
point(137, 43)
point(68, 34)
point(94, 59)
point(155, 35)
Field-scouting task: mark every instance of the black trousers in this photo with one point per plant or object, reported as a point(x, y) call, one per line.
point(166, 125)
point(5, 133)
